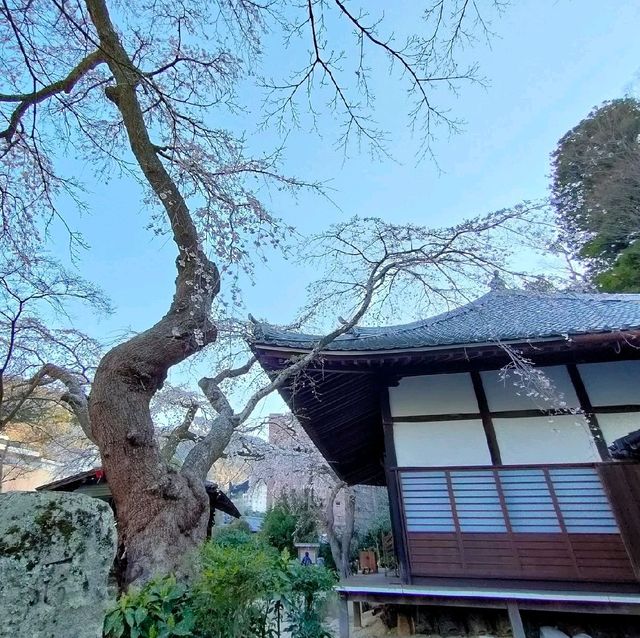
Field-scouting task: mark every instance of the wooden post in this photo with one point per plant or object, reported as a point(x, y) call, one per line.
point(406, 626)
point(343, 617)
point(487, 420)
point(357, 614)
point(589, 413)
point(516, 620)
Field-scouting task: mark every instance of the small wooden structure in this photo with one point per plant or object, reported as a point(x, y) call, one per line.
point(368, 561)
point(502, 487)
point(310, 548)
point(94, 483)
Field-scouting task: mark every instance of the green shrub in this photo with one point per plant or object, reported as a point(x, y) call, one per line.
point(309, 588)
point(242, 590)
point(234, 535)
point(161, 609)
point(292, 519)
point(371, 537)
point(324, 552)
point(238, 590)
point(279, 526)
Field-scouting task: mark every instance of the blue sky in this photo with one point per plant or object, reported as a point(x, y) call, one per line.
point(549, 64)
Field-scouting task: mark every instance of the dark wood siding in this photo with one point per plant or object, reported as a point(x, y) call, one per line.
point(580, 557)
point(622, 482)
point(533, 522)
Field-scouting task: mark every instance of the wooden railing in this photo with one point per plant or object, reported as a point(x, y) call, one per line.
point(534, 522)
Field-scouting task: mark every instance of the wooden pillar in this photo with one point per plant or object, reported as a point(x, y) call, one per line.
point(357, 614)
point(487, 421)
point(589, 413)
point(406, 625)
point(343, 617)
point(393, 489)
point(516, 620)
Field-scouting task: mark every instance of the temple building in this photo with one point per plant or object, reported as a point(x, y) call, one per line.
point(494, 428)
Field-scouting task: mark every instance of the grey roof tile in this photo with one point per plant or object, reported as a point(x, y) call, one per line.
point(500, 315)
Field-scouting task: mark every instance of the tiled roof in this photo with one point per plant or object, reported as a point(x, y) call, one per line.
point(500, 315)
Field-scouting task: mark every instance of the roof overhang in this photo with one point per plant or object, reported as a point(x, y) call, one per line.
point(337, 399)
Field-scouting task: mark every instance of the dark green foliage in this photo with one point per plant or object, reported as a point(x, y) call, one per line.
point(292, 519)
point(596, 192)
point(237, 590)
point(324, 552)
point(161, 609)
point(244, 589)
point(371, 537)
point(309, 588)
point(233, 535)
point(278, 528)
point(624, 275)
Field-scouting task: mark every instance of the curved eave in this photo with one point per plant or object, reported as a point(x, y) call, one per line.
point(577, 339)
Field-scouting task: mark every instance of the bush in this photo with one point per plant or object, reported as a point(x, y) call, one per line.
point(241, 591)
point(324, 552)
point(309, 588)
point(279, 526)
point(371, 537)
point(234, 535)
point(238, 589)
point(161, 609)
point(292, 519)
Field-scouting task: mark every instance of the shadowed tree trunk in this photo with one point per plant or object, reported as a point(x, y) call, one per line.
point(341, 544)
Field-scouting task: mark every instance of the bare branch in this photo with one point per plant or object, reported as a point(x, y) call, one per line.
point(28, 100)
point(180, 433)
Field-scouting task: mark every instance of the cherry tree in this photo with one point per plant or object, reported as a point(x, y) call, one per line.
point(36, 404)
point(142, 88)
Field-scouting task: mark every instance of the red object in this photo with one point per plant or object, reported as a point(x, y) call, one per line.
point(99, 474)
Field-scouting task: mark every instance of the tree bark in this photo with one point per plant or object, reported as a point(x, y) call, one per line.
point(341, 545)
point(162, 514)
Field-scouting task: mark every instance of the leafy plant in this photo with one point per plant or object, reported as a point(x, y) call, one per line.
point(161, 609)
point(305, 624)
point(372, 537)
point(309, 589)
point(292, 519)
point(239, 587)
point(234, 535)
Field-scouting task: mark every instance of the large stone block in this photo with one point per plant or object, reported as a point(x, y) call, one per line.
point(56, 550)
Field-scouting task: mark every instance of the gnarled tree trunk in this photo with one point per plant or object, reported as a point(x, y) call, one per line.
point(341, 544)
point(162, 514)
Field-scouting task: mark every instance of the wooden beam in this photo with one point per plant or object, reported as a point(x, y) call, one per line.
point(406, 623)
point(516, 620)
point(589, 414)
point(393, 489)
point(487, 421)
point(357, 614)
point(343, 617)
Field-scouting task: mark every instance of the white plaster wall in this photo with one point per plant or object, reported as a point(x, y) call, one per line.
point(558, 439)
point(614, 426)
point(433, 394)
point(258, 497)
point(441, 443)
point(612, 383)
point(511, 393)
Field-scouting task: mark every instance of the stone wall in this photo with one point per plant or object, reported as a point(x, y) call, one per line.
point(56, 550)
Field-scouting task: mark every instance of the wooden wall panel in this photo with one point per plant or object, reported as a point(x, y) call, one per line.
point(534, 522)
point(622, 483)
point(574, 557)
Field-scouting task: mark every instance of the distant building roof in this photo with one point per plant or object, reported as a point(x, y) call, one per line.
point(500, 315)
point(94, 483)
